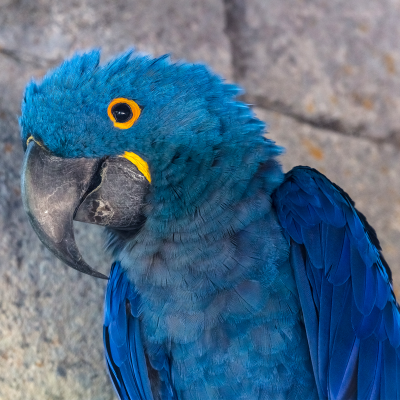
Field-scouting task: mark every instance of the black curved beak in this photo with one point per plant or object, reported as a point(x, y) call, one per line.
point(56, 190)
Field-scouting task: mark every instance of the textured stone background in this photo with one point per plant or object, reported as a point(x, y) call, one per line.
point(325, 76)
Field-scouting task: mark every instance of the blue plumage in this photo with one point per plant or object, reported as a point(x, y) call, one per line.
point(240, 282)
point(363, 316)
point(123, 345)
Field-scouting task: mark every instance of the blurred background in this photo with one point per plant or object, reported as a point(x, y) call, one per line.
point(324, 74)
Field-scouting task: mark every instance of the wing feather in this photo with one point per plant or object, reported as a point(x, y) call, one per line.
point(350, 312)
point(123, 346)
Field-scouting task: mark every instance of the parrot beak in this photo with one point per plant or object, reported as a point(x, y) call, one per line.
point(55, 191)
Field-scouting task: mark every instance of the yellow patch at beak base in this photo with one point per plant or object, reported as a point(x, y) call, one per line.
point(141, 165)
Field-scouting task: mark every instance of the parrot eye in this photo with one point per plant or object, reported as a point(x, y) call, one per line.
point(123, 112)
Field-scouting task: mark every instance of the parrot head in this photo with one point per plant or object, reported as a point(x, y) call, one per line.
point(111, 144)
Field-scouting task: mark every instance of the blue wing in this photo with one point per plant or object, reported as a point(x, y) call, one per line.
point(350, 312)
point(124, 352)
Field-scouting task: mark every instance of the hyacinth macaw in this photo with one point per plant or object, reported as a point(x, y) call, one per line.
point(231, 280)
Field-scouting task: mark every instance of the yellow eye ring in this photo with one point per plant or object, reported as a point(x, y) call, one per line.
point(123, 112)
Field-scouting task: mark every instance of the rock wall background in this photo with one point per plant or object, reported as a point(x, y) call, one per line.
point(325, 76)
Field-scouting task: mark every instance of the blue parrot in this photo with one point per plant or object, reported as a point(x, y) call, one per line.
point(231, 280)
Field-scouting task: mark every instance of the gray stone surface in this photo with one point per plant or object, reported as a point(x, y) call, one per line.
point(327, 69)
point(367, 171)
point(334, 64)
point(51, 316)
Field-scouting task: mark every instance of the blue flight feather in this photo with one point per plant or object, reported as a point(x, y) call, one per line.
point(364, 325)
point(122, 342)
point(358, 328)
point(312, 240)
point(368, 368)
point(333, 244)
point(325, 311)
point(364, 282)
point(340, 294)
point(389, 372)
point(341, 366)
